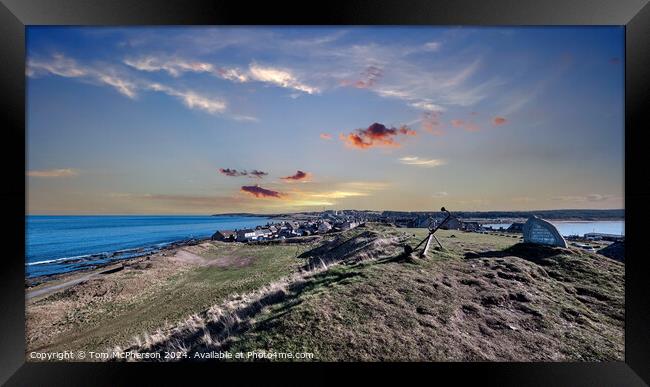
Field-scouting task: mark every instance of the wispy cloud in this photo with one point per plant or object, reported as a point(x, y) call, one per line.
point(367, 79)
point(323, 63)
point(434, 89)
point(62, 66)
point(279, 77)
point(364, 185)
point(461, 76)
point(431, 123)
point(441, 194)
point(192, 99)
point(420, 162)
point(177, 66)
point(326, 136)
point(431, 46)
point(173, 66)
point(232, 74)
point(58, 64)
point(63, 172)
point(332, 193)
point(585, 198)
point(203, 202)
point(523, 199)
point(427, 105)
point(315, 64)
point(515, 101)
point(243, 118)
point(338, 194)
point(465, 125)
point(121, 85)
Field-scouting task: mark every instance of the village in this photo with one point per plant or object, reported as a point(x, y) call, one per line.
point(306, 224)
point(336, 221)
point(333, 221)
point(285, 229)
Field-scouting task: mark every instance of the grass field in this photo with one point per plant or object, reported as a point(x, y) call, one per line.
point(502, 308)
point(357, 296)
point(132, 304)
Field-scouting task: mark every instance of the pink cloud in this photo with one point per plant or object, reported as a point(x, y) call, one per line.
point(299, 175)
point(431, 123)
point(260, 192)
point(499, 121)
point(465, 125)
point(326, 136)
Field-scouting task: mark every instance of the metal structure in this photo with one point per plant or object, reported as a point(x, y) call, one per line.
point(432, 236)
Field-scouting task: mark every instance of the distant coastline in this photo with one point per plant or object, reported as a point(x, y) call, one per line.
point(562, 214)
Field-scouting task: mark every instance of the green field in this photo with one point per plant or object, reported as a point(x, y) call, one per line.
point(112, 323)
point(481, 297)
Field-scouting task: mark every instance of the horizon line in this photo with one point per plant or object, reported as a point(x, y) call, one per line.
point(303, 212)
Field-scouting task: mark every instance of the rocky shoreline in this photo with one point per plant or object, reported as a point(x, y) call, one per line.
point(102, 267)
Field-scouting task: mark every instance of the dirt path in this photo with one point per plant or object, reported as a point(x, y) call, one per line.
point(53, 288)
point(71, 282)
point(187, 257)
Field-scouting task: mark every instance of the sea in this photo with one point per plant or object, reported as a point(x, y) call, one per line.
point(568, 228)
point(60, 244)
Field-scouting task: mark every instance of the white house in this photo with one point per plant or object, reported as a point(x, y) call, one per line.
point(324, 227)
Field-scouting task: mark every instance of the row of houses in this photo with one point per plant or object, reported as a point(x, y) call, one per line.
point(429, 222)
point(283, 230)
point(598, 236)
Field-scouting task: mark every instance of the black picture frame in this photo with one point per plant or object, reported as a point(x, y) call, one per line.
point(15, 15)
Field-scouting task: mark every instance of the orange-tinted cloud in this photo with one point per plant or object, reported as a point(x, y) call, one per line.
point(299, 175)
point(457, 123)
point(376, 135)
point(232, 172)
point(431, 123)
point(326, 136)
point(260, 192)
point(499, 121)
point(465, 125)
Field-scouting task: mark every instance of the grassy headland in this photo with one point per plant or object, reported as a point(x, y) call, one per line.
point(350, 296)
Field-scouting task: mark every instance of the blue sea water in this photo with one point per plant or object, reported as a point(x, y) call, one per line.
point(59, 244)
point(567, 228)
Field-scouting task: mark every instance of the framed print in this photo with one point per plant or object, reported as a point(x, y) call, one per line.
point(393, 188)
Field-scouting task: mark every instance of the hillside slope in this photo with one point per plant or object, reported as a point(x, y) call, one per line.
point(483, 297)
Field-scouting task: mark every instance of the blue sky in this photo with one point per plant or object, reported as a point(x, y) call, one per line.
point(166, 120)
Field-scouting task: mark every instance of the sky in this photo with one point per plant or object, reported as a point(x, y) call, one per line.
point(204, 120)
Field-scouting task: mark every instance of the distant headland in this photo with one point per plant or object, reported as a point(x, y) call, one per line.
point(562, 214)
